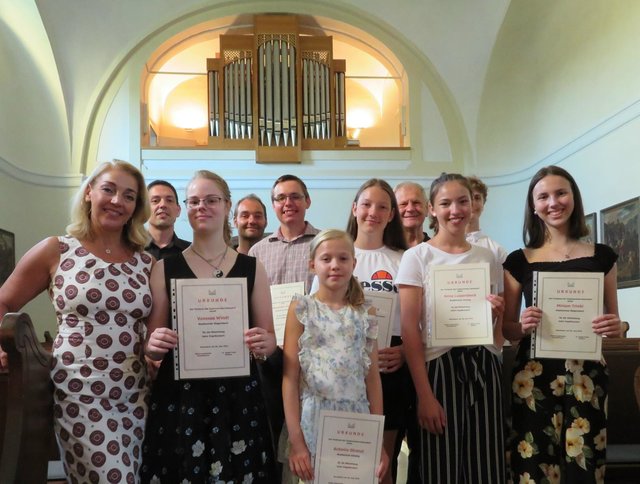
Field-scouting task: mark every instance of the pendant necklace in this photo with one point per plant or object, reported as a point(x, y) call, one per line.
point(218, 272)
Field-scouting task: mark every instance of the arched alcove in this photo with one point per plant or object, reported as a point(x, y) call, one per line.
point(375, 81)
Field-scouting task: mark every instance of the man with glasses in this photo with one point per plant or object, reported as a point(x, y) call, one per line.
point(250, 218)
point(285, 253)
point(285, 256)
point(165, 209)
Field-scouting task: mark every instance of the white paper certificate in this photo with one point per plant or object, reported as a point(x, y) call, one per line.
point(348, 447)
point(281, 295)
point(383, 304)
point(210, 316)
point(460, 312)
point(569, 302)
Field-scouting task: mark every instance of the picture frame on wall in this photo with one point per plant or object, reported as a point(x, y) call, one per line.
point(7, 254)
point(620, 229)
point(591, 222)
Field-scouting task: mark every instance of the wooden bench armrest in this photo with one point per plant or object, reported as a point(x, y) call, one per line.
point(29, 403)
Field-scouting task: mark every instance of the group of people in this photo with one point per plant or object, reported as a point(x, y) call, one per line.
point(121, 416)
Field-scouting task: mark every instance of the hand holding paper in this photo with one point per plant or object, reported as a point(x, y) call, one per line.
point(160, 342)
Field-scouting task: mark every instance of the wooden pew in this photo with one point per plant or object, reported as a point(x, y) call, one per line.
point(623, 425)
point(26, 424)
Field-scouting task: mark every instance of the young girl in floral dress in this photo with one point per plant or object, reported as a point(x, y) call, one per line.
point(330, 351)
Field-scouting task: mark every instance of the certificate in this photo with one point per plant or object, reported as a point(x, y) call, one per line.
point(569, 301)
point(348, 447)
point(281, 295)
point(383, 305)
point(210, 316)
point(459, 310)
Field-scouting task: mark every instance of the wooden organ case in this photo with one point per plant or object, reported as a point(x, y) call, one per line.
point(276, 92)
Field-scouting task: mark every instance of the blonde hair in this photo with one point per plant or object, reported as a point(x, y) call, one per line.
point(226, 194)
point(134, 234)
point(354, 295)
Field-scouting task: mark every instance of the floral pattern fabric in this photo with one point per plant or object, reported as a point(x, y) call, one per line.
point(559, 421)
point(334, 356)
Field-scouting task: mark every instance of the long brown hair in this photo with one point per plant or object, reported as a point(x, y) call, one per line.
point(354, 294)
point(534, 230)
point(393, 236)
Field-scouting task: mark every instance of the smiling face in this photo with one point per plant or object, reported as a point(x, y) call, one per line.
point(250, 220)
point(373, 211)
point(333, 263)
point(112, 197)
point(553, 201)
point(210, 213)
point(412, 205)
point(451, 206)
point(165, 208)
point(292, 209)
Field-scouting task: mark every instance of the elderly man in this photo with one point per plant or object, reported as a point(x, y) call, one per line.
point(412, 202)
point(165, 209)
point(250, 218)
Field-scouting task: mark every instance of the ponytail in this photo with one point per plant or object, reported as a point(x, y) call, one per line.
point(355, 294)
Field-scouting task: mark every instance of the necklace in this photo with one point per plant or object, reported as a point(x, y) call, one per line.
point(566, 253)
point(218, 272)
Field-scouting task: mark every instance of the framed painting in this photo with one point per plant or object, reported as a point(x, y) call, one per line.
point(620, 228)
point(7, 254)
point(591, 221)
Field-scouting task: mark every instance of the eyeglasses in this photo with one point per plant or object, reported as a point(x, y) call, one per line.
point(209, 202)
point(294, 197)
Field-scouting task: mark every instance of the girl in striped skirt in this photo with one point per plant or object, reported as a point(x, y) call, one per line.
point(459, 397)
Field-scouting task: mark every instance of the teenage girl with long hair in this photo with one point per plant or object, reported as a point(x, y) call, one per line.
point(374, 224)
point(459, 398)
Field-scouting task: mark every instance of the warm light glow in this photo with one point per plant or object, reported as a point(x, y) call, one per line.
point(360, 118)
point(189, 117)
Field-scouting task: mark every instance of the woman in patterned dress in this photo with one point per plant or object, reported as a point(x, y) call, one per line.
point(98, 280)
point(209, 429)
point(558, 406)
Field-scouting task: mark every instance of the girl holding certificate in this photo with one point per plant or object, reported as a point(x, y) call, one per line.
point(459, 397)
point(375, 227)
point(558, 406)
point(330, 352)
point(208, 429)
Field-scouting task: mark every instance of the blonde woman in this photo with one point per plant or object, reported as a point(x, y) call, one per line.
point(98, 280)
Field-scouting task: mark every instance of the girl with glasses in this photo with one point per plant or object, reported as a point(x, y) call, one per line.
point(216, 429)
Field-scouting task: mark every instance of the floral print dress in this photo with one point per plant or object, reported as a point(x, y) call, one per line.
point(559, 407)
point(334, 356)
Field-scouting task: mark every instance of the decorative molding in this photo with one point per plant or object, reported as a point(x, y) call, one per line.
point(33, 178)
point(601, 130)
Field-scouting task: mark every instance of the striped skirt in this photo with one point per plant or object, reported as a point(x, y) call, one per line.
point(467, 383)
